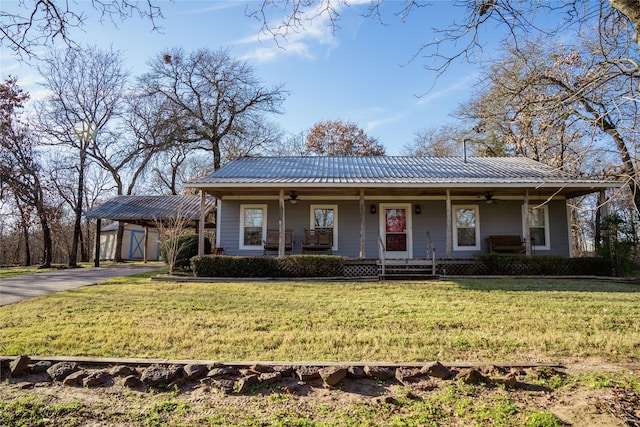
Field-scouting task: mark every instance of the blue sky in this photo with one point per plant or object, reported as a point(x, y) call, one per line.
point(361, 73)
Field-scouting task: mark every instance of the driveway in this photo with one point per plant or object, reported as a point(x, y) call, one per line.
point(14, 289)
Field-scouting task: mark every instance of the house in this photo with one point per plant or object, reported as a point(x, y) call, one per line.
point(133, 248)
point(395, 207)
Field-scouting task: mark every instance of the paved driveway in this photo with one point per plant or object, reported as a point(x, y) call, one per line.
point(18, 288)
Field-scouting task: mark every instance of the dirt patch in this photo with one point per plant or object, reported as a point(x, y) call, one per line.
point(573, 395)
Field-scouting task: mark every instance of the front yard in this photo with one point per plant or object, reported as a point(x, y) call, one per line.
point(471, 320)
point(588, 326)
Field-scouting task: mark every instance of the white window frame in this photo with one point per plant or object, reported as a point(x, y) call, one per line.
point(547, 233)
point(241, 245)
point(312, 221)
point(454, 223)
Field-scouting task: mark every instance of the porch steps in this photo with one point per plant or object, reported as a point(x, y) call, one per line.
point(407, 269)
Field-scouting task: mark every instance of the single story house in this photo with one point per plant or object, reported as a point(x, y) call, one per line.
point(133, 243)
point(394, 207)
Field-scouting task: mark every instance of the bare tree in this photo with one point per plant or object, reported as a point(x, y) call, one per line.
point(28, 26)
point(338, 138)
point(86, 89)
point(216, 96)
point(435, 142)
point(460, 40)
point(20, 171)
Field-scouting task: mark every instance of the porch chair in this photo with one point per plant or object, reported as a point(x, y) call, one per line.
point(317, 240)
point(272, 244)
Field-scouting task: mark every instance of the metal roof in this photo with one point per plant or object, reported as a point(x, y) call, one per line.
point(149, 209)
point(387, 170)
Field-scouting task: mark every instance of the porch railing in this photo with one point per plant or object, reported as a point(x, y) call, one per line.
point(382, 253)
point(431, 250)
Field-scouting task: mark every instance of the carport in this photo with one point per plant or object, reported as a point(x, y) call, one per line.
point(149, 211)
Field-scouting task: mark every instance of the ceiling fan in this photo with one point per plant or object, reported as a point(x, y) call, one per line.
point(293, 198)
point(488, 198)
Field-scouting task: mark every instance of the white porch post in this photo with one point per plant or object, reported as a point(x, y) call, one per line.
point(527, 229)
point(449, 225)
point(362, 224)
point(281, 225)
point(201, 224)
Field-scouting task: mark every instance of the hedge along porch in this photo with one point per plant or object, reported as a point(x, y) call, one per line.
point(394, 207)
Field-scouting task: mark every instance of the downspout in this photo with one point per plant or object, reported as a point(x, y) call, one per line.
point(449, 227)
point(527, 230)
point(281, 226)
point(201, 224)
point(362, 225)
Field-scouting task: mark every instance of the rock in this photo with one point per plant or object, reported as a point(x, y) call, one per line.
point(285, 371)
point(355, 372)
point(5, 369)
point(225, 386)
point(437, 370)
point(262, 369)
point(75, 378)
point(41, 367)
point(308, 373)
point(472, 376)
point(245, 383)
point(132, 381)
point(158, 375)
point(222, 371)
point(123, 371)
point(386, 399)
point(510, 380)
point(270, 377)
point(332, 375)
point(380, 373)
point(406, 376)
point(61, 370)
point(195, 371)
point(97, 379)
point(19, 365)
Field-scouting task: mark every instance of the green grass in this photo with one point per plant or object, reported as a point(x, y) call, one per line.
point(475, 320)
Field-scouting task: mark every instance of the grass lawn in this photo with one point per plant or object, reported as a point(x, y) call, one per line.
point(472, 320)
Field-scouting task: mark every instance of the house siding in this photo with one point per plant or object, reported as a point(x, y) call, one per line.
point(502, 218)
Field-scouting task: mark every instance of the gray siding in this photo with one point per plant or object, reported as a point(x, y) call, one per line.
point(504, 217)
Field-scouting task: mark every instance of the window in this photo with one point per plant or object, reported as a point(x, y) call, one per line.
point(325, 216)
point(466, 230)
point(253, 225)
point(538, 226)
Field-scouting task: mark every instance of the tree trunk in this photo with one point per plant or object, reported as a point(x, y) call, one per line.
point(77, 226)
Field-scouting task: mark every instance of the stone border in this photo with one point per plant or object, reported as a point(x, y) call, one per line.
point(245, 377)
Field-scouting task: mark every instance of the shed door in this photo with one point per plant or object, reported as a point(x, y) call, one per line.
point(395, 227)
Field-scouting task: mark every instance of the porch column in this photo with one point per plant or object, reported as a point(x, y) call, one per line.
point(527, 229)
point(96, 259)
point(603, 209)
point(201, 224)
point(363, 214)
point(281, 226)
point(145, 258)
point(449, 226)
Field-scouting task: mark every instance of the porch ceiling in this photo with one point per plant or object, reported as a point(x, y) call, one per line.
point(305, 191)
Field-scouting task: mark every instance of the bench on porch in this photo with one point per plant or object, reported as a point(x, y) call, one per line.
point(317, 240)
point(272, 244)
point(505, 244)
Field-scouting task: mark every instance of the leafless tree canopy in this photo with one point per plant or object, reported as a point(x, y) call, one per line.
point(40, 23)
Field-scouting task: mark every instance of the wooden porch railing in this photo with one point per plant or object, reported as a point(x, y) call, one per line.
point(382, 253)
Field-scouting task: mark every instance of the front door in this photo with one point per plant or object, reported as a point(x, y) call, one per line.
point(395, 227)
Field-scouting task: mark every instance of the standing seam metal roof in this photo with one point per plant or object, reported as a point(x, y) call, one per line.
point(386, 169)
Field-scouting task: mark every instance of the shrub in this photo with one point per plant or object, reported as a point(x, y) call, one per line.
point(313, 265)
point(546, 265)
point(259, 266)
point(187, 247)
